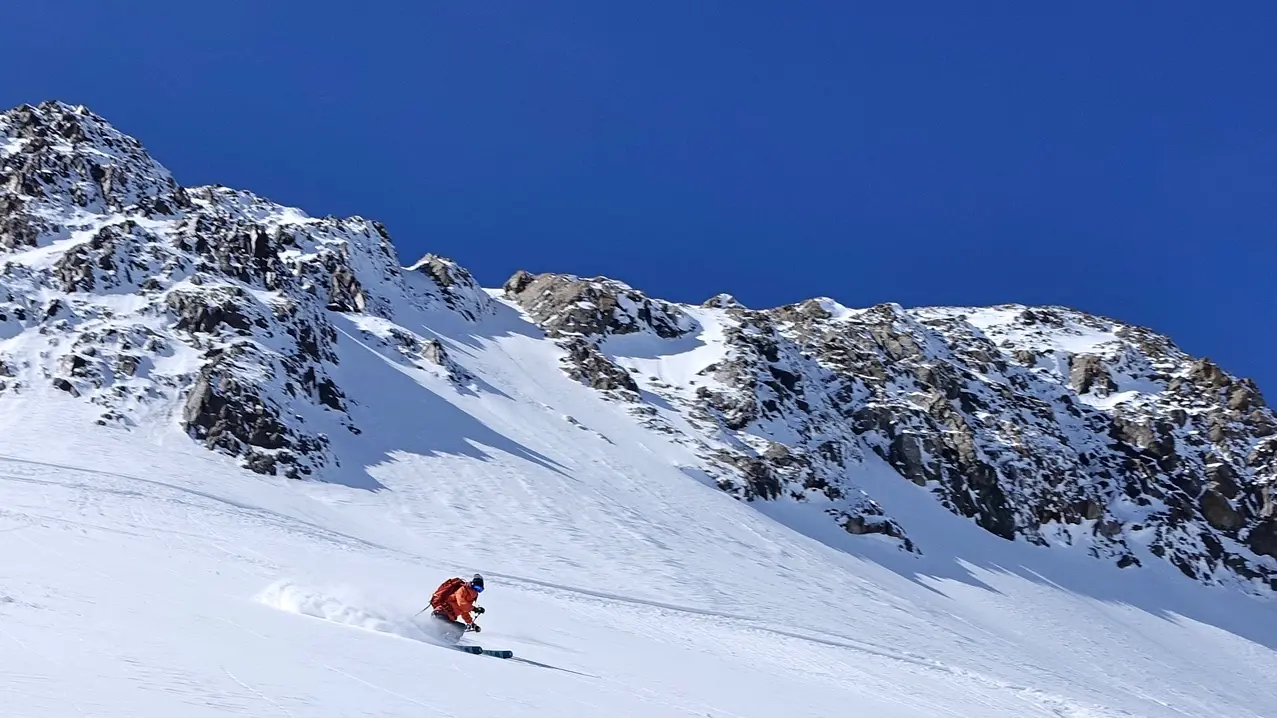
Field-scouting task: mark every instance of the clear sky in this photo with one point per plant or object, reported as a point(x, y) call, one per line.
point(1116, 157)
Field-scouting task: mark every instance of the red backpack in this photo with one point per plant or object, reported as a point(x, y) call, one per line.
point(441, 595)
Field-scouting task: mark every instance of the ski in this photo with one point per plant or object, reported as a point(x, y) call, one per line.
point(481, 651)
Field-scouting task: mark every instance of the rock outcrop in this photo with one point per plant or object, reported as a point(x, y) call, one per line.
point(209, 297)
point(1039, 424)
point(563, 305)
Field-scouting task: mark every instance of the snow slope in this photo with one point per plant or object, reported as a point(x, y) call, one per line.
point(239, 447)
point(146, 576)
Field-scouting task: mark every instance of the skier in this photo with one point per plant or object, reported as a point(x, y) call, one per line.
point(454, 599)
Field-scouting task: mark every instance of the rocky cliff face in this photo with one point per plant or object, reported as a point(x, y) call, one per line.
point(147, 293)
point(220, 311)
point(1040, 424)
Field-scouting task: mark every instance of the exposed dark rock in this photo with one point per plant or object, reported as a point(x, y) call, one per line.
point(1219, 512)
point(1205, 373)
point(1088, 509)
point(1156, 438)
point(779, 454)
point(723, 301)
point(106, 261)
point(907, 456)
point(1263, 537)
point(860, 524)
point(127, 364)
point(1127, 560)
point(517, 283)
point(64, 385)
point(445, 273)
point(231, 416)
point(563, 304)
point(116, 175)
point(1088, 374)
point(75, 365)
point(1245, 396)
point(1264, 454)
point(18, 230)
point(196, 312)
point(1223, 480)
point(455, 285)
point(586, 364)
point(1025, 357)
point(330, 396)
point(432, 350)
point(736, 410)
point(760, 480)
point(261, 463)
point(345, 293)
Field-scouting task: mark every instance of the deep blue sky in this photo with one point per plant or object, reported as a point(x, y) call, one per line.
point(1116, 157)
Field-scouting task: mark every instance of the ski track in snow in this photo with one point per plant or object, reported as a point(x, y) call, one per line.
point(147, 577)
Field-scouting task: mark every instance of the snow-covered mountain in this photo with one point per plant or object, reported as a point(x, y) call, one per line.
point(939, 488)
point(1049, 425)
point(1039, 423)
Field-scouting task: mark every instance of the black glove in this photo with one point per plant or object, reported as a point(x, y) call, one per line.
point(479, 610)
point(473, 627)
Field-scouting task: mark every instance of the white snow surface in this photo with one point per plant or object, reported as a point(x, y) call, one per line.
point(999, 324)
point(145, 576)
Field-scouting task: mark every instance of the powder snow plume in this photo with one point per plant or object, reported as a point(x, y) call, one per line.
point(340, 605)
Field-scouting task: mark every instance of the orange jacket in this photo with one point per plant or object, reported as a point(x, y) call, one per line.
point(459, 604)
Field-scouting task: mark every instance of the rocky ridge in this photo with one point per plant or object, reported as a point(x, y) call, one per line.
point(148, 293)
point(1041, 424)
point(221, 310)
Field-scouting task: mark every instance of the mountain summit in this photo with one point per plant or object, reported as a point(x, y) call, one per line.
point(286, 341)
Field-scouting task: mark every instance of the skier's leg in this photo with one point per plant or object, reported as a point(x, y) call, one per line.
point(449, 631)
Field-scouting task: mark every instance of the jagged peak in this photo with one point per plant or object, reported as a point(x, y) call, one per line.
point(430, 259)
point(723, 300)
point(64, 126)
point(577, 280)
point(453, 283)
point(598, 306)
point(60, 106)
point(27, 115)
point(70, 159)
point(831, 308)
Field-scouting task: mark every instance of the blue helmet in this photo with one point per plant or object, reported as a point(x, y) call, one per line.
point(477, 583)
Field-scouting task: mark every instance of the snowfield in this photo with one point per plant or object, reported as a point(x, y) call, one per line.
point(241, 446)
point(145, 576)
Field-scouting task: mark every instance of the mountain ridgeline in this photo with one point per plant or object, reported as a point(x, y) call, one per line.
point(219, 310)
